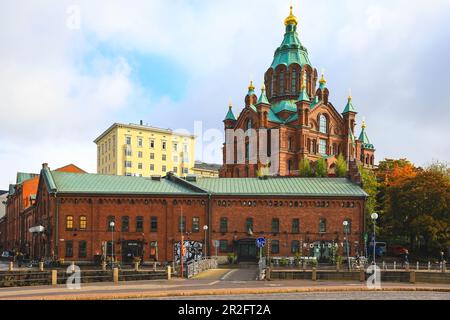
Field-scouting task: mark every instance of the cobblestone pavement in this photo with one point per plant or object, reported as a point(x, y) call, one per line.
point(386, 295)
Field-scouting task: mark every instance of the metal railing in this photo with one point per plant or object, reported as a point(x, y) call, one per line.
point(195, 267)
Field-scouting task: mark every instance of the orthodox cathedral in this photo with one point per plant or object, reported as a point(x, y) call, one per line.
point(309, 126)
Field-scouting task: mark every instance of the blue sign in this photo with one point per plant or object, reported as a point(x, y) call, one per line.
point(260, 242)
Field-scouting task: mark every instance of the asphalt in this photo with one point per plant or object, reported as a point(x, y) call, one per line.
point(213, 283)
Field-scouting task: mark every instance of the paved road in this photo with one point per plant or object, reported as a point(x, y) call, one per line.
point(325, 296)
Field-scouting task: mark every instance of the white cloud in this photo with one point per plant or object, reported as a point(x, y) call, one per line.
point(375, 47)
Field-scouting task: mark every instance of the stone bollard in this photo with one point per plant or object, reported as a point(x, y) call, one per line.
point(11, 266)
point(412, 277)
point(362, 275)
point(268, 273)
point(136, 266)
point(407, 267)
point(444, 266)
point(429, 266)
point(54, 277)
point(384, 265)
point(169, 273)
point(395, 265)
point(41, 266)
point(103, 265)
point(154, 266)
point(116, 275)
point(314, 274)
point(417, 266)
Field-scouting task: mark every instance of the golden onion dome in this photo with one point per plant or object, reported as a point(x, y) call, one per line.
point(291, 19)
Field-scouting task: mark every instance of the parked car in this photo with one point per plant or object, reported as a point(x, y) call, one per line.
point(7, 255)
point(396, 250)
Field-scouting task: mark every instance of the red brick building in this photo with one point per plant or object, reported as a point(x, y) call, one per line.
point(298, 215)
point(19, 209)
point(298, 110)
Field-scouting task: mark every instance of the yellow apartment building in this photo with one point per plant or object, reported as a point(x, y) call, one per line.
point(142, 150)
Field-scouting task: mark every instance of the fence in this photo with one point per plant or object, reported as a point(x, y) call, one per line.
point(48, 277)
point(195, 267)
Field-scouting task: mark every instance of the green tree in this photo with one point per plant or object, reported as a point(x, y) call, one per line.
point(304, 168)
point(321, 168)
point(370, 186)
point(340, 168)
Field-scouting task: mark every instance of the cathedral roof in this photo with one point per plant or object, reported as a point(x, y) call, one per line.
point(364, 138)
point(263, 98)
point(230, 114)
point(284, 105)
point(349, 107)
point(291, 50)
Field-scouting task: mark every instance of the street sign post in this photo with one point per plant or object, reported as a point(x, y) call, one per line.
point(260, 243)
point(216, 244)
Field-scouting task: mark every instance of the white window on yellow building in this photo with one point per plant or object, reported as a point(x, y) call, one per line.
point(164, 169)
point(164, 157)
point(128, 140)
point(139, 141)
point(152, 143)
point(175, 147)
point(140, 154)
point(152, 167)
point(140, 166)
point(128, 164)
point(175, 169)
point(164, 145)
point(152, 156)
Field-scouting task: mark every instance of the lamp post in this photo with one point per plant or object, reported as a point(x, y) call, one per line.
point(374, 217)
point(205, 228)
point(345, 223)
point(111, 225)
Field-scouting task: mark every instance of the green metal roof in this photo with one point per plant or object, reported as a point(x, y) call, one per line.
point(22, 176)
point(284, 105)
point(303, 95)
point(349, 107)
point(263, 98)
point(281, 186)
point(314, 103)
point(291, 50)
point(230, 115)
point(273, 117)
point(108, 184)
point(365, 140)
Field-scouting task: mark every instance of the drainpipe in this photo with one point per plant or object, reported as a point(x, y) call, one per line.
point(55, 228)
point(209, 225)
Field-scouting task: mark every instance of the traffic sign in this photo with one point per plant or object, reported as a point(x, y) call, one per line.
point(260, 242)
point(216, 243)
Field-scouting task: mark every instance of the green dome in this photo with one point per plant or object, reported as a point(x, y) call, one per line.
point(291, 50)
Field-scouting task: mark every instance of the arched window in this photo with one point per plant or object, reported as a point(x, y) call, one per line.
point(274, 80)
point(249, 124)
point(294, 82)
point(323, 124)
point(322, 225)
point(83, 222)
point(281, 83)
point(69, 222)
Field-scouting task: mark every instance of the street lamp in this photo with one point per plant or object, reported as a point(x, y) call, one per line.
point(374, 217)
point(345, 223)
point(205, 228)
point(111, 225)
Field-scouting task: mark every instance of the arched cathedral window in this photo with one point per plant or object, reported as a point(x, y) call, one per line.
point(294, 82)
point(323, 124)
point(281, 83)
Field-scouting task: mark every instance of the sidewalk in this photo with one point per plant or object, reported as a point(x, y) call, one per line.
point(183, 288)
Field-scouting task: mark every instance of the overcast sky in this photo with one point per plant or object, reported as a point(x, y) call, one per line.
point(171, 63)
